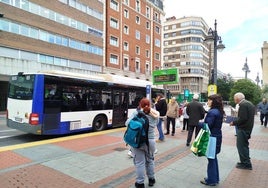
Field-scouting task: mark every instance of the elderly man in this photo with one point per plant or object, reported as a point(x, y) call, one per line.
point(196, 112)
point(244, 123)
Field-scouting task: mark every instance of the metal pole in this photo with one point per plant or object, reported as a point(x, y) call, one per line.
point(215, 53)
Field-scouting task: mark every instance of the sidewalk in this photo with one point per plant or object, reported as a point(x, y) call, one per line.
point(100, 160)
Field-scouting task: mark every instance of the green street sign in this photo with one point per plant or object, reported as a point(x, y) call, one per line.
point(165, 76)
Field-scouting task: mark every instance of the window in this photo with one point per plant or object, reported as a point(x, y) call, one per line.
point(147, 39)
point(114, 23)
point(114, 41)
point(137, 20)
point(157, 42)
point(156, 17)
point(126, 46)
point(148, 12)
point(126, 2)
point(126, 13)
point(147, 52)
point(147, 25)
point(147, 67)
point(157, 56)
point(114, 5)
point(137, 50)
point(157, 29)
point(126, 31)
point(126, 63)
point(137, 66)
point(114, 59)
point(138, 6)
point(138, 35)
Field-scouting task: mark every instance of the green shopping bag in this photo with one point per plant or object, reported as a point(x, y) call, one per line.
point(200, 144)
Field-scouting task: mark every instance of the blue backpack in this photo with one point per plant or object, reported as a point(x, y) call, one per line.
point(136, 134)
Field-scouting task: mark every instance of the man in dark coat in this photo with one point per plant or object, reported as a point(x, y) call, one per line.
point(244, 123)
point(196, 112)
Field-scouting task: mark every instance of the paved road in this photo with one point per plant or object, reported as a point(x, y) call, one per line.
point(100, 160)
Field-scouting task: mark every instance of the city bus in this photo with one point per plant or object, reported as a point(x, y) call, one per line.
point(57, 102)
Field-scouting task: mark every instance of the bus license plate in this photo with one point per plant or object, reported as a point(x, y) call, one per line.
point(18, 119)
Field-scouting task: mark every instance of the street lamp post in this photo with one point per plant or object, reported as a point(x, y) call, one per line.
point(246, 69)
point(257, 79)
point(213, 36)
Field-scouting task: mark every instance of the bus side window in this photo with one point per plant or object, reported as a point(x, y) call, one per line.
point(108, 104)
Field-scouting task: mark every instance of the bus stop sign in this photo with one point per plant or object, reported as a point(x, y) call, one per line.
point(212, 89)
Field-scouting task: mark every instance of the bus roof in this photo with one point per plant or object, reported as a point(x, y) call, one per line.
point(101, 77)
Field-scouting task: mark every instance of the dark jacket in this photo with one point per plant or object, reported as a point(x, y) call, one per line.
point(161, 106)
point(214, 120)
point(245, 119)
point(196, 112)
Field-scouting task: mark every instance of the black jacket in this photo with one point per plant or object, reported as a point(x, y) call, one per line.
point(161, 106)
point(196, 112)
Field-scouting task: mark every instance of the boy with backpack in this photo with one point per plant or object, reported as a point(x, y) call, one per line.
point(144, 151)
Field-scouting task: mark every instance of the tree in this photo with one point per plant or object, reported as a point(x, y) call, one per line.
point(251, 91)
point(224, 88)
point(265, 91)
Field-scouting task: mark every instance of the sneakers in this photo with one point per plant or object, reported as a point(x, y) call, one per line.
point(151, 182)
point(187, 144)
point(155, 151)
point(130, 154)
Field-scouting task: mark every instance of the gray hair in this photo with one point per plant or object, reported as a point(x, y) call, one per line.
point(239, 96)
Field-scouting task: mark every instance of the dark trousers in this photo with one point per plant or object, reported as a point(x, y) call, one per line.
point(213, 171)
point(172, 120)
point(265, 118)
point(191, 129)
point(185, 124)
point(242, 146)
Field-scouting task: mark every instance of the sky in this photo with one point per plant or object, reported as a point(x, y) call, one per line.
point(242, 25)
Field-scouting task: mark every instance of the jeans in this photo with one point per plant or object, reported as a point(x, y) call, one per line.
point(160, 130)
point(144, 159)
point(213, 171)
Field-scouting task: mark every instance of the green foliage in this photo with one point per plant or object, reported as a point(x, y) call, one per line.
point(265, 91)
point(251, 91)
point(224, 88)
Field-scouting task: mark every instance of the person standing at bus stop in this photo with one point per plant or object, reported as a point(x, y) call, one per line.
point(196, 112)
point(244, 123)
point(172, 114)
point(161, 107)
point(143, 157)
point(263, 108)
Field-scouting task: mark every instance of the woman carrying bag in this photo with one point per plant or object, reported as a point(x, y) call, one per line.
point(214, 119)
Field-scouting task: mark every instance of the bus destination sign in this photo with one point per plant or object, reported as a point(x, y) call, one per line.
point(166, 76)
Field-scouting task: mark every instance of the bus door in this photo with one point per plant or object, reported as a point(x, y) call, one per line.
point(120, 107)
point(52, 107)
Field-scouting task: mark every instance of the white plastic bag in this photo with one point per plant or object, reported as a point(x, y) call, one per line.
point(178, 123)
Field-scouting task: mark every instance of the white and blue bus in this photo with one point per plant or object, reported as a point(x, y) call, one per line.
point(56, 102)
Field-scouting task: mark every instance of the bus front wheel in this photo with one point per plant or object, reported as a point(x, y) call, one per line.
point(99, 123)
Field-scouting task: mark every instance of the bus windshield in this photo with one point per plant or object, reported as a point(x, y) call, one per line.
point(21, 87)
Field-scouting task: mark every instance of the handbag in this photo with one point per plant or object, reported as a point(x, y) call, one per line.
point(211, 149)
point(178, 123)
point(199, 146)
